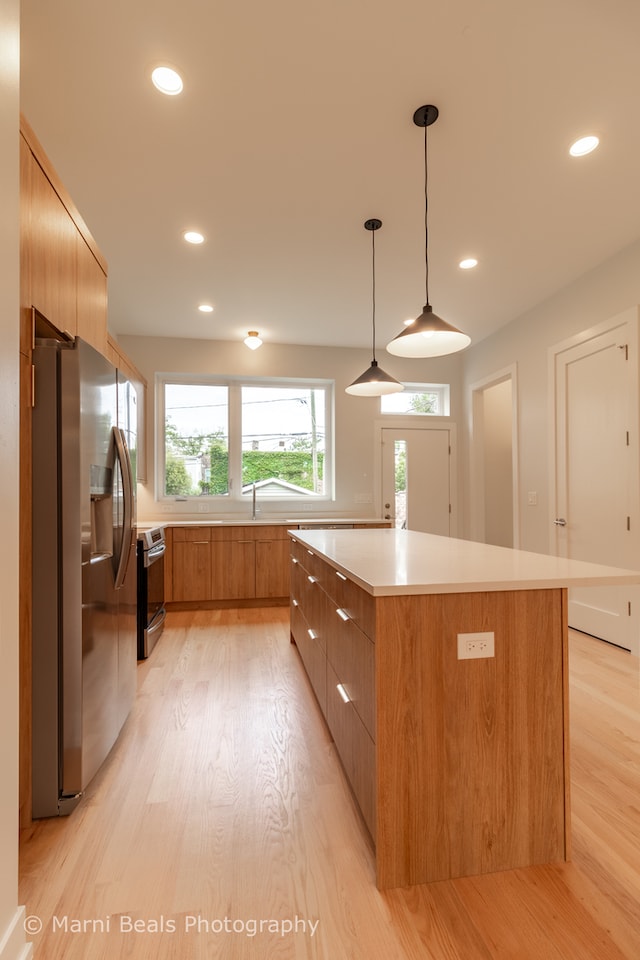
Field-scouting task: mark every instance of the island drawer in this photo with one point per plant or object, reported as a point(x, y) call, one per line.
point(312, 654)
point(306, 589)
point(352, 657)
point(356, 749)
point(359, 604)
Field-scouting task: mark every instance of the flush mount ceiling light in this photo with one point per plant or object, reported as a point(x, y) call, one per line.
point(167, 80)
point(428, 335)
point(374, 382)
point(252, 340)
point(192, 236)
point(583, 146)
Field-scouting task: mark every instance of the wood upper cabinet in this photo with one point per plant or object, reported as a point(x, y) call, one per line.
point(53, 241)
point(63, 274)
point(91, 298)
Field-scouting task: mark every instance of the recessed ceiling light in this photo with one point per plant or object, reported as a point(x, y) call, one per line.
point(192, 236)
point(205, 308)
point(583, 146)
point(167, 81)
point(468, 264)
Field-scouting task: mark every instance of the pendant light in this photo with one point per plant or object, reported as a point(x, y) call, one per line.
point(429, 335)
point(374, 382)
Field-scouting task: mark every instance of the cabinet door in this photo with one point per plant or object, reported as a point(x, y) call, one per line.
point(191, 570)
point(53, 254)
point(233, 570)
point(91, 298)
point(272, 568)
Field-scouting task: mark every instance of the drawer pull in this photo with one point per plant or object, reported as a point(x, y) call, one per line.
point(312, 579)
point(294, 602)
point(343, 693)
point(311, 553)
point(343, 614)
point(199, 541)
point(312, 634)
point(341, 575)
point(293, 560)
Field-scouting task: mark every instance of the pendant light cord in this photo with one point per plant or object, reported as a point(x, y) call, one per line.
point(373, 292)
point(426, 223)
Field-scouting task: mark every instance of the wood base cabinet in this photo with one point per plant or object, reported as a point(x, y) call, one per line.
point(211, 563)
point(459, 767)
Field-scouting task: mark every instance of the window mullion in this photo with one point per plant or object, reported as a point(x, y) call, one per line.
point(235, 440)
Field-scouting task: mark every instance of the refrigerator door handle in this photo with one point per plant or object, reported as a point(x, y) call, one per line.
point(126, 472)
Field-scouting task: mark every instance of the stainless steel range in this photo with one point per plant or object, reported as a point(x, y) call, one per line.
point(151, 610)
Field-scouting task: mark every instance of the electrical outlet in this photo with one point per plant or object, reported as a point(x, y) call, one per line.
point(476, 646)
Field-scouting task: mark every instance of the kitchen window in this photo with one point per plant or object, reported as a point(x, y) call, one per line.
point(418, 399)
point(220, 436)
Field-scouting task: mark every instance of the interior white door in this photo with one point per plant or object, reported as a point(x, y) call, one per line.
point(417, 478)
point(595, 501)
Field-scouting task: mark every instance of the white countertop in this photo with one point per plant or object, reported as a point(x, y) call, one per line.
point(208, 521)
point(392, 562)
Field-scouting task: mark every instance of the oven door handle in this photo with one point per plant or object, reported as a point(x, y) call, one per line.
point(150, 556)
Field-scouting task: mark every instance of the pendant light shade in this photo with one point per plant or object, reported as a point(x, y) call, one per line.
point(374, 382)
point(429, 335)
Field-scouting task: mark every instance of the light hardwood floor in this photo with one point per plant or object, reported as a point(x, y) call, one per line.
point(223, 808)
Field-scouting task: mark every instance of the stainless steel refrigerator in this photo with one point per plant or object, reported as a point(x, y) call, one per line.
point(84, 568)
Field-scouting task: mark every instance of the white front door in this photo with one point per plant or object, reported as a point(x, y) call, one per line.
point(596, 503)
point(417, 478)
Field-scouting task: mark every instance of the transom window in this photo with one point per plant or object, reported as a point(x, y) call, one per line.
point(418, 399)
point(220, 436)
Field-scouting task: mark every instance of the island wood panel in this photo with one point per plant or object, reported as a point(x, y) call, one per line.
point(472, 769)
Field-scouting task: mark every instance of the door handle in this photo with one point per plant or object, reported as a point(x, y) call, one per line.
point(560, 522)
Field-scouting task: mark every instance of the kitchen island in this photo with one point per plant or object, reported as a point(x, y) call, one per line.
point(440, 667)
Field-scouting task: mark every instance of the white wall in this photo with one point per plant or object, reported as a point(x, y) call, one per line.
point(498, 473)
point(604, 292)
point(354, 416)
point(12, 939)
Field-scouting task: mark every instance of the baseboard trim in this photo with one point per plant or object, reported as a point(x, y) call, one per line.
point(12, 943)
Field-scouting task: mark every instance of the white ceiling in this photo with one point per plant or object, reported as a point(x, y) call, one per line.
point(295, 126)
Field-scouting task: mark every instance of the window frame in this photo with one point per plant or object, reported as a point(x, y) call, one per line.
point(234, 385)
